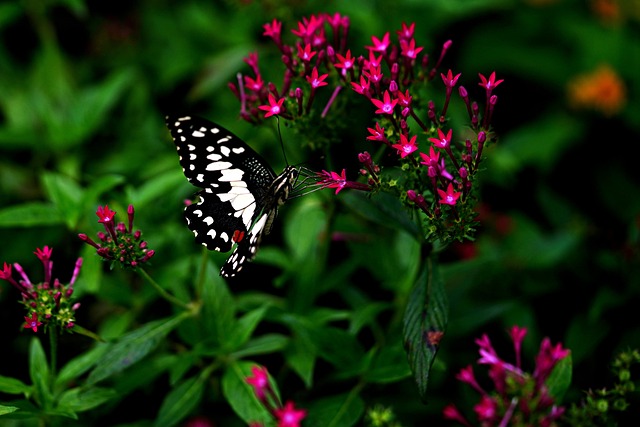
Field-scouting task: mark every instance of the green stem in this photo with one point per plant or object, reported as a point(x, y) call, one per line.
point(203, 272)
point(164, 294)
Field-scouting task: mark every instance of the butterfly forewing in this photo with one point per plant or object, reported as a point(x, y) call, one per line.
point(239, 193)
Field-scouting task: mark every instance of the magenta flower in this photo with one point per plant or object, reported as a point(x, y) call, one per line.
point(450, 80)
point(450, 197)
point(32, 322)
point(377, 134)
point(385, 106)
point(255, 85)
point(379, 45)
point(409, 49)
point(259, 381)
point(273, 30)
point(442, 141)
point(306, 54)
point(274, 108)
point(289, 416)
point(491, 83)
point(432, 159)
point(316, 81)
point(407, 31)
point(345, 62)
point(339, 181)
point(406, 147)
point(363, 87)
point(105, 214)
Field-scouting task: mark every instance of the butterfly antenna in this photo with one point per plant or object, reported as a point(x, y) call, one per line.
point(281, 143)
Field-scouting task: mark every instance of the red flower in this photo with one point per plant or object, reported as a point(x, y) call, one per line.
point(316, 81)
point(373, 73)
point(32, 322)
point(288, 416)
point(385, 106)
point(442, 141)
point(406, 32)
point(406, 147)
point(333, 180)
point(254, 85)
point(105, 214)
point(274, 108)
point(273, 30)
point(432, 159)
point(450, 197)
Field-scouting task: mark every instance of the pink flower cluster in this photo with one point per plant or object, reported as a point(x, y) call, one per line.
point(517, 398)
point(48, 302)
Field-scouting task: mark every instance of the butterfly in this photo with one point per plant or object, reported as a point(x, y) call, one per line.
point(239, 192)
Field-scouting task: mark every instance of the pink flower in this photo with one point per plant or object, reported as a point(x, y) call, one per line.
point(442, 141)
point(450, 80)
point(407, 31)
point(273, 30)
point(385, 106)
point(288, 416)
point(491, 83)
point(306, 54)
point(274, 108)
point(316, 81)
point(406, 147)
point(432, 159)
point(254, 85)
point(409, 49)
point(450, 197)
point(259, 381)
point(105, 214)
point(345, 62)
point(379, 45)
point(363, 87)
point(377, 134)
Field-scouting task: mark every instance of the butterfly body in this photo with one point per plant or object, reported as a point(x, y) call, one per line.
point(239, 192)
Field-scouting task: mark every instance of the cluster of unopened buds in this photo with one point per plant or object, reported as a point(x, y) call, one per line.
point(285, 415)
point(120, 244)
point(49, 302)
point(518, 398)
point(395, 80)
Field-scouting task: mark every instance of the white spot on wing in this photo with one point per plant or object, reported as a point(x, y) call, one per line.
point(216, 166)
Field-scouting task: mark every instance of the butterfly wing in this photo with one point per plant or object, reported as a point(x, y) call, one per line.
point(234, 182)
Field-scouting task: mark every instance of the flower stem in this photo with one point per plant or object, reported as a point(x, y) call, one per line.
point(53, 354)
point(164, 294)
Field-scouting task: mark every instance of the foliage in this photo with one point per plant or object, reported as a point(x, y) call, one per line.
point(362, 306)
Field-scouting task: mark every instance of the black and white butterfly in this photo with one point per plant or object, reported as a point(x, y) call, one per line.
point(240, 193)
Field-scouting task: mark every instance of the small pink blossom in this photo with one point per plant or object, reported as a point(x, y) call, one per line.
point(450, 197)
point(385, 106)
point(274, 108)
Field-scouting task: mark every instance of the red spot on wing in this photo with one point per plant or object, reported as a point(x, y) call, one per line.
point(237, 236)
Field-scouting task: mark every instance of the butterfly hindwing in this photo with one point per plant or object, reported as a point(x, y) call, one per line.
point(239, 192)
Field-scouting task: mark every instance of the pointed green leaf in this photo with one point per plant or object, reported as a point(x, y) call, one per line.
point(560, 378)
point(79, 365)
point(66, 194)
point(39, 373)
point(240, 395)
point(219, 308)
point(30, 215)
point(181, 400)
point(425, 320)
point(264, 344)
point(7, 409)
point(13, 386)
point(132, 347)
point(82, 399)
point(245, 326)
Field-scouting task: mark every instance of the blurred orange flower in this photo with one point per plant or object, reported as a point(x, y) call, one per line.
point(601, 90)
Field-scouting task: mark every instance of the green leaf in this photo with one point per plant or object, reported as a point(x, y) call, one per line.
point(181, 401)
point(240, 395)
point(13, 386)
point(132, 347)
point(7, 409)
point(219, 308)
point(560, 378)
point(384, 209)
point(336, 411)
point(30, 215)
point(79, 365)
point(39, 373)
point(389, 365)
point(81, 399)
point(301, 355)
point(245, 326)
point(425, 320)
point(268, 343)
point(66, 194)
